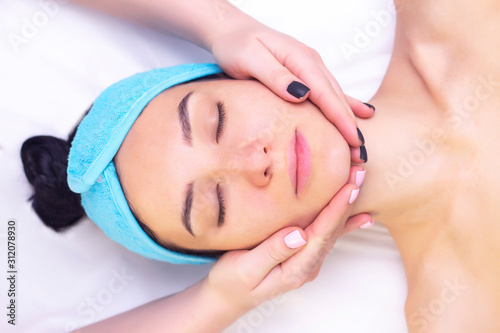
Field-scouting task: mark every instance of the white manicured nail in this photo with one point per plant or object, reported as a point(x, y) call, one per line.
point(366, 225)
point(354, 195)
point(360, 177)
point(294, 240)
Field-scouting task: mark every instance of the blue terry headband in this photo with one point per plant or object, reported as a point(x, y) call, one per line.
point(91, 170)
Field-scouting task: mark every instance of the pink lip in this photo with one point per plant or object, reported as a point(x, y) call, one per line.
point(299, 162)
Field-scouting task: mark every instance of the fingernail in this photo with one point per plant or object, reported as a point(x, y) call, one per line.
point(360, 136)
point(297, 89)
point(370, 106)
point(366, 225)
point(354, 195)
point(294, 240)
point(362, 154)
point(360, 177)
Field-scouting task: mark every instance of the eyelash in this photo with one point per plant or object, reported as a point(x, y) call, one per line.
point(222, 117)
point(220, 126)
point(222, 208)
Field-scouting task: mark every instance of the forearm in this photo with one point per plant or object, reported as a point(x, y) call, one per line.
point(195, 309)
point(195, 20)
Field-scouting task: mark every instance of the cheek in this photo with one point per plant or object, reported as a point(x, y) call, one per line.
point(329, 175)
point(262, 115)
point(266, 128)
point(254, 216)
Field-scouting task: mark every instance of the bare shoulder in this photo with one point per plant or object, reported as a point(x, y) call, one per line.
point(456, 321)
point(437, 19)
point(451, 303)
point(453, 45)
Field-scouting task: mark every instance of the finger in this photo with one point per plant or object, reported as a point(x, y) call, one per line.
point(258, 262)
point(335, 110)
point(334, 214)
point(360, 109)
point(356, 175)
point(327, 95)
point(308, 66)
point(359, 154)
point(331, 219)
point(267, 69)
point(335, 85)
point(360, 221)
point(322, 234)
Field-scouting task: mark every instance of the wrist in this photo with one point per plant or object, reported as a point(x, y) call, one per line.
point(227, 19)
point(231, 306)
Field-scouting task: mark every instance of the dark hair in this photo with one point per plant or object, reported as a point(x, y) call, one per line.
point(45, 160)
point(172, 247)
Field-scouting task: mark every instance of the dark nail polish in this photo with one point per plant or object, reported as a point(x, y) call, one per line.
point(362, 154)
point(297, 89)
point(370, 106)
point(360, 136)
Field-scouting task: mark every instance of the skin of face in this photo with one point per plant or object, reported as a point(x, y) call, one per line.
point(248, 164)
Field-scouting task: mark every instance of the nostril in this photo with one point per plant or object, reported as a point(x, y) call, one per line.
point(266, 172)
point(265, 150)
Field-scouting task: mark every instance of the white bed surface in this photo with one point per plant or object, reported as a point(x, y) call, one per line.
point(79, 277)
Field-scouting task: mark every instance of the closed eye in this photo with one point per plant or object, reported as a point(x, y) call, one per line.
point(222, 208)
point(222, 117)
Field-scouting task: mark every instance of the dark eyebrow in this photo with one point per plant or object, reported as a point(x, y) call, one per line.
point(184, 119)
point(186, 210)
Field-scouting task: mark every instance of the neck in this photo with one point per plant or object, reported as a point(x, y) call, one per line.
point(412, 158)
point(405, 156)
point(402, 183)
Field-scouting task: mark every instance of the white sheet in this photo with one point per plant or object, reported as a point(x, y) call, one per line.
point(49, 79)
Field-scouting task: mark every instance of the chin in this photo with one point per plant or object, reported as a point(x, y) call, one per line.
point(332, 165)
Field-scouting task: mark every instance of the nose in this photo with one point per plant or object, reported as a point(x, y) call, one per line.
point(252, 161)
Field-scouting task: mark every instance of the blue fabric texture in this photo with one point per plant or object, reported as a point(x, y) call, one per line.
point(91, 171)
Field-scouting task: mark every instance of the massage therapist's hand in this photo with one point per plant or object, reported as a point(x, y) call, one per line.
point(245, 48)
point(242, 279)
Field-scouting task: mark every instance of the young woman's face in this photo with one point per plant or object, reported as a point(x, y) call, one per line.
point(205, 182)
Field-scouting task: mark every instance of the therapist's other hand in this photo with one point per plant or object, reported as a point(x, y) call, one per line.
point(242, 279)
point(245, 48)
point(333, 221)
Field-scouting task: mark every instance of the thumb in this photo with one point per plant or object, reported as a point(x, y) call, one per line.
point(280, 246)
